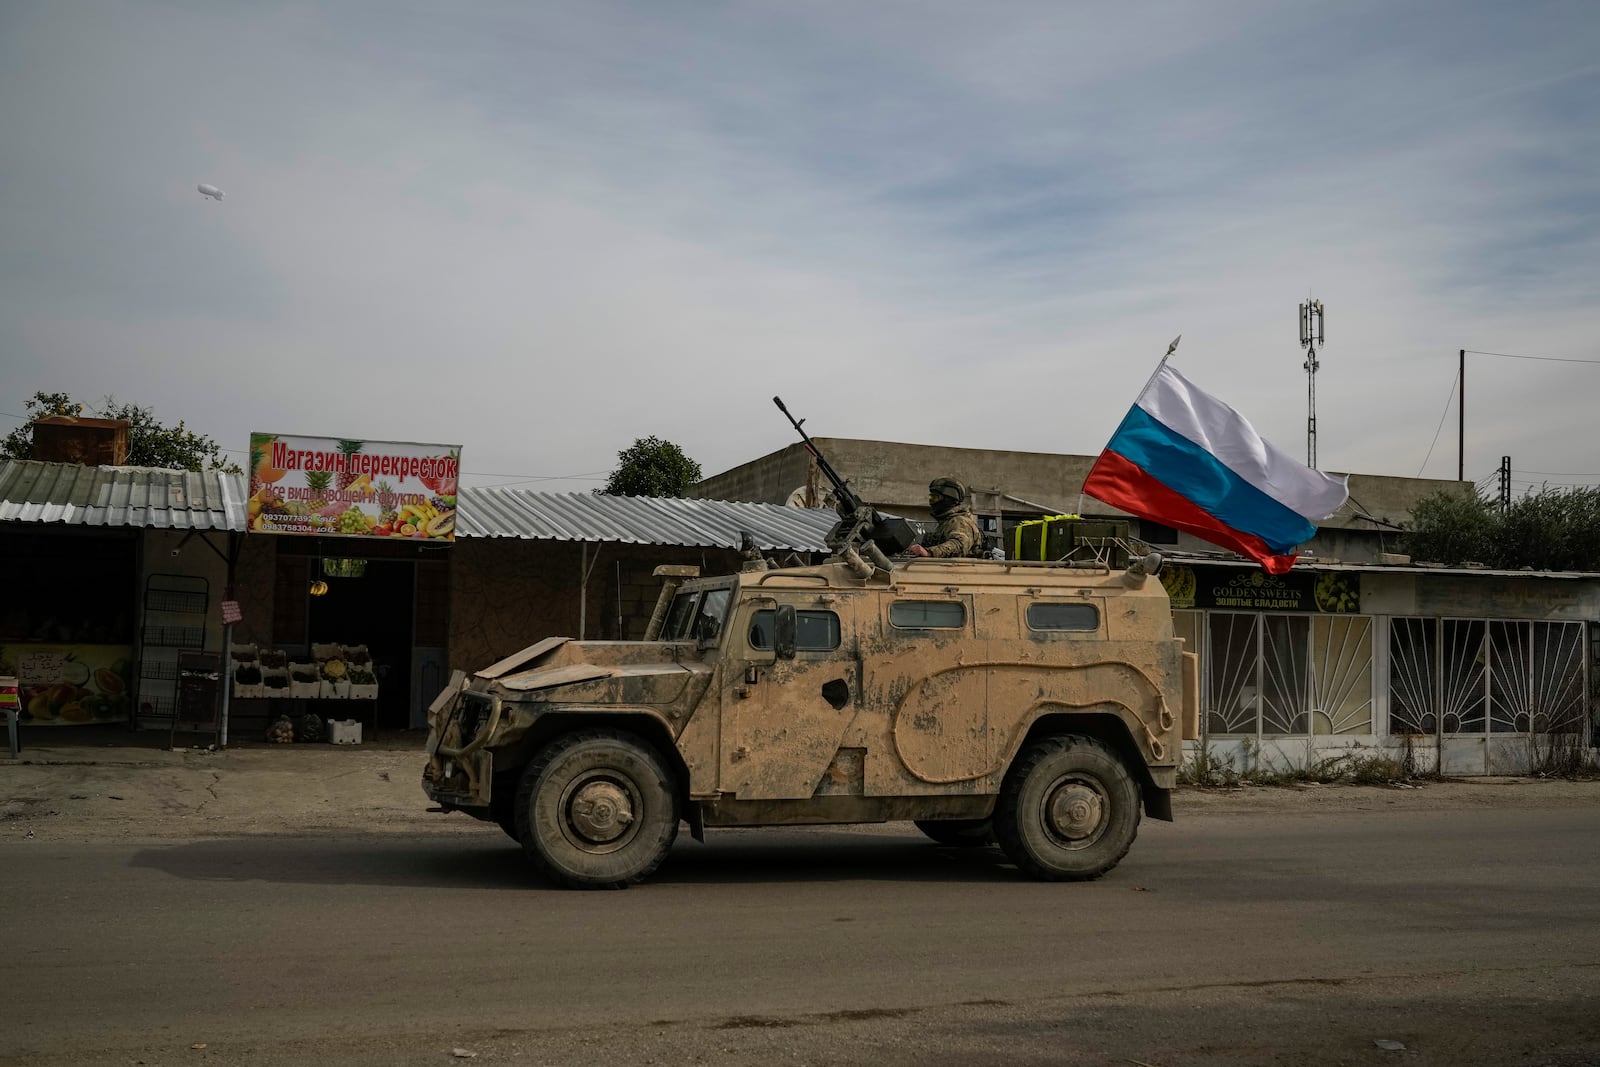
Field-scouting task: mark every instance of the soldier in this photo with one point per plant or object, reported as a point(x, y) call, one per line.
point(957, 533)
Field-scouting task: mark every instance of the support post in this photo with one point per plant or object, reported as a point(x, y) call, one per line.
point(1461, 420)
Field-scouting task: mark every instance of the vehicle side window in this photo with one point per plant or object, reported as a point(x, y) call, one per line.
point(928, 614)
point(815, 631)
point(1063, 616)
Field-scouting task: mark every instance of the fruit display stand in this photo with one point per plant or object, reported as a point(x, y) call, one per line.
point(329, 683)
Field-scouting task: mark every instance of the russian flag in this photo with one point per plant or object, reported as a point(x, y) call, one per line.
point(1184, 458)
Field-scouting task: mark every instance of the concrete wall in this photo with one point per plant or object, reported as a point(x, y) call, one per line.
point(507, 593)
point(768, 480)
point(1475, 597)
point(254, 583)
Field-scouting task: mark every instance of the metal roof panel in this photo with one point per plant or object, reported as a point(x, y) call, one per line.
point(71, 494)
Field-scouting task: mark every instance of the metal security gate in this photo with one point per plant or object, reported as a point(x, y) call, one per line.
point(1490, 694)
point(1283, 686)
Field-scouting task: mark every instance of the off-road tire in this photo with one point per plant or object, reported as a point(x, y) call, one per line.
point(1068, 809)
point(959, 833)
point(597, 809)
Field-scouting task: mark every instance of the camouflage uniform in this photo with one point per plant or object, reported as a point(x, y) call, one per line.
point(958, 533)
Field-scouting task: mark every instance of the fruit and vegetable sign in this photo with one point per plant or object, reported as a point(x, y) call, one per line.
point(1252, 589)
point(67, 685)
point(341, 487)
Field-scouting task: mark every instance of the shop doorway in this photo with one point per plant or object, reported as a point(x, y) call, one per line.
point(374, 609)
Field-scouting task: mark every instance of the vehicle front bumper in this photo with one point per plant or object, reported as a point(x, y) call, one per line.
point(460, 768)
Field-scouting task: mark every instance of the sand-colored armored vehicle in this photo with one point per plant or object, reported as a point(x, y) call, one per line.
point(1036, 705)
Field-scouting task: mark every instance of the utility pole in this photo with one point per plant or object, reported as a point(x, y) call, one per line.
point(1313, 332)
point(1505, 484)
point(1461, 421)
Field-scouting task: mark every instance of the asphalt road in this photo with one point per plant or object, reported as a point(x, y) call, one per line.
point(1468, 936)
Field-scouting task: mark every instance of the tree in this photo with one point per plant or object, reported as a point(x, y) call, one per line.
point(150, 443)
point(1546, 529)
point(652, 467)
point(1449, 528)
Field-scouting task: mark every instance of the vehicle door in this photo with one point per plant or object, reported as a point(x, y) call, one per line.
point(785, 709)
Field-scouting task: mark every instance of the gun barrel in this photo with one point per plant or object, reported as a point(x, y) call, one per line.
point(848, 501)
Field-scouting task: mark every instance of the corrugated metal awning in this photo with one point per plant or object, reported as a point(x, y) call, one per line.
point(149, 497)
point(639, 520)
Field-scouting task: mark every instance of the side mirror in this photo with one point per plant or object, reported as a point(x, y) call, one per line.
point(784, 629)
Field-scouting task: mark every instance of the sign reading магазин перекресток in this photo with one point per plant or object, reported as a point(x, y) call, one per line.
point(344, 487)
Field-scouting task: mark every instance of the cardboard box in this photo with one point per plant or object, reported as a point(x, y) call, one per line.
point(344, 732)
point(334, 690)
point(363, 692)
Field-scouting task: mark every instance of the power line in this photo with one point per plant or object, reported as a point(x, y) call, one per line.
point(1557, 474)
point(1449, 396)
point(1542, 359)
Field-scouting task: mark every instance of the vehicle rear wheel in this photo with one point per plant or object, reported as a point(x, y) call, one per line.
point(1068, 809)
point(959, 833)
point(598, 810)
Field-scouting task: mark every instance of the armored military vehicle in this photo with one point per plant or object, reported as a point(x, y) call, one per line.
point(1037, 705)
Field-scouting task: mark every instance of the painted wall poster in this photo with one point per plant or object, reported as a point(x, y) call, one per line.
point(70, 685)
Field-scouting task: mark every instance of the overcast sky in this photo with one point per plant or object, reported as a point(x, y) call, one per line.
point(542, 230)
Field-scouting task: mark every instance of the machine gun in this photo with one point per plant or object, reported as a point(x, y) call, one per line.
point(861, 528)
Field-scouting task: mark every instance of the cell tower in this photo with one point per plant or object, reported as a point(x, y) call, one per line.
point(1313, 331)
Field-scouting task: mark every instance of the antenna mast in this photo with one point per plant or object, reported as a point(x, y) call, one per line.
point(1313, 333)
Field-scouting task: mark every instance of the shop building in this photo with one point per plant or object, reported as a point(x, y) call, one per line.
point(117, 571)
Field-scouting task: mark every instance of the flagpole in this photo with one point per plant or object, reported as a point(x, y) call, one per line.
point(1173, 347)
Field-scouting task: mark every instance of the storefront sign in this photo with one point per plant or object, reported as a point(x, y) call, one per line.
point(69, 685)
point(1252, 589)
point(347, 488)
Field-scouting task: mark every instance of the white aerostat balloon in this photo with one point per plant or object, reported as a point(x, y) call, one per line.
point(210, 190)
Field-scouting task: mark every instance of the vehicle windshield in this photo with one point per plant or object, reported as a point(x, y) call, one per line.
point(679, 615)
point(696, 615)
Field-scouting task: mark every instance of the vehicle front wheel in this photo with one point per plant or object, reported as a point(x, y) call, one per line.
point(959, 833)
point(1068, 809)
point(599, 810)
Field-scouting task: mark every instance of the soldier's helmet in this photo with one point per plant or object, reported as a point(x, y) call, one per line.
point(945, 495)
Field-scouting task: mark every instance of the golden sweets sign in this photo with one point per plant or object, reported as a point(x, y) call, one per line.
point(343, 487)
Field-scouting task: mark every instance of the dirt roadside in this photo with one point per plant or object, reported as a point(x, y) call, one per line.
point(80, 792)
